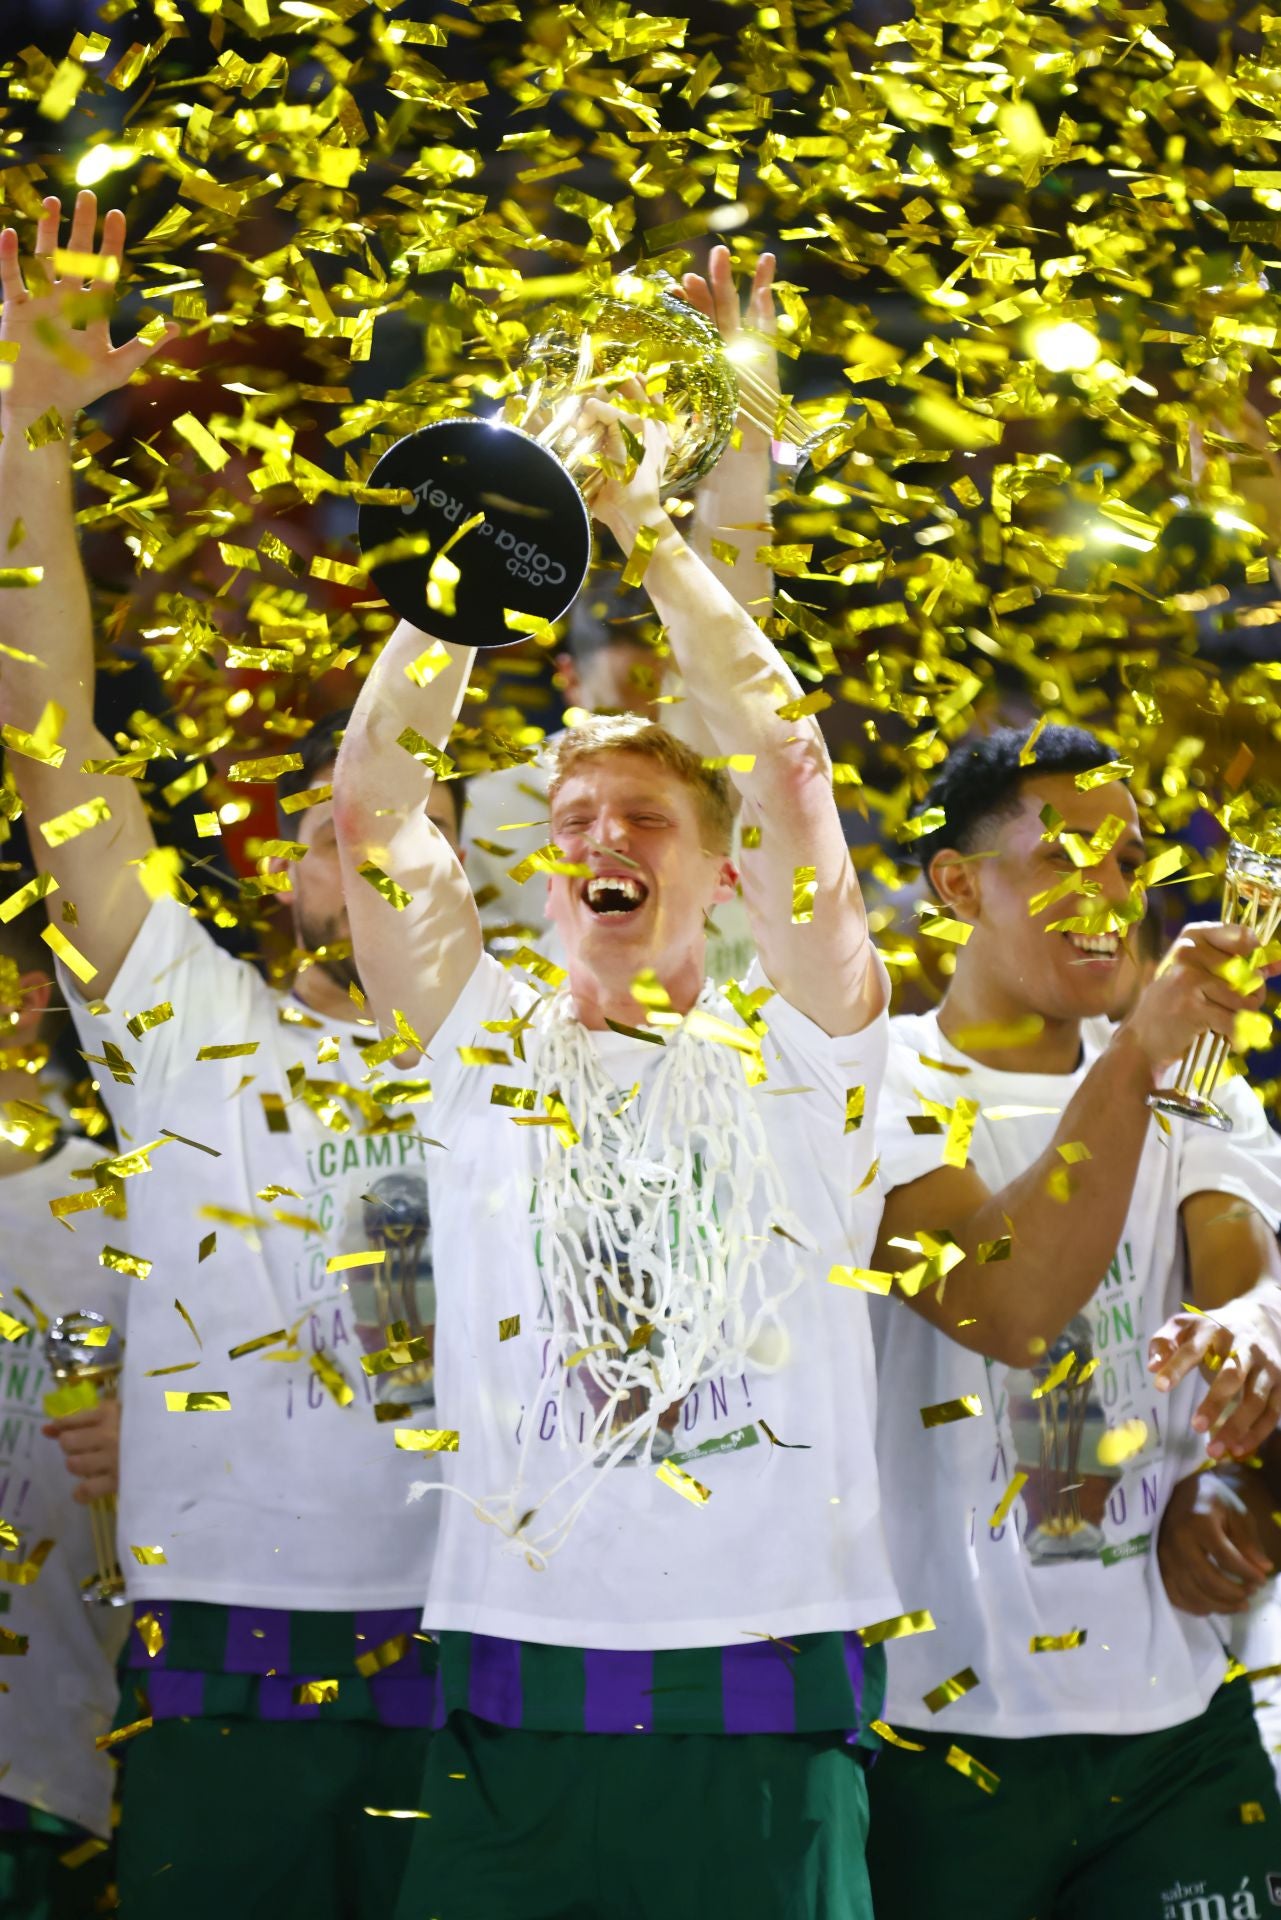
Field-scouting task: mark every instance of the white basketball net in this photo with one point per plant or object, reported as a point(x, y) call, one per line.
point(656, 1241)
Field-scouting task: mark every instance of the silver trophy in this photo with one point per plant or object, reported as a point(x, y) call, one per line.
point(1251, 898)
point(1057, 1421)
point(84, 1349)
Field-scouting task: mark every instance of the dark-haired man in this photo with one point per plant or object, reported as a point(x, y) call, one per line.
point(1075, 1752)
point(276, 1182)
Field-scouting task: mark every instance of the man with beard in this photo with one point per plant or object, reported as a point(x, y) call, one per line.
point(275, 1574)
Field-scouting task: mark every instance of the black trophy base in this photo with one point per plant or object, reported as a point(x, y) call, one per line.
point(528, 555)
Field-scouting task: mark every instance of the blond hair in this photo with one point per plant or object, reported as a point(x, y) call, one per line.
point(604, 734)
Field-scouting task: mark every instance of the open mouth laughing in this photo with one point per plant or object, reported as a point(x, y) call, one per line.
point(614, 896)
point(1095, 949)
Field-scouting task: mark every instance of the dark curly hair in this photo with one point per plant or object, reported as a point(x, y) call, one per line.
point(981, 782)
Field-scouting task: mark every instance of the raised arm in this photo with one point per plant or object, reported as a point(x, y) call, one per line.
point(414, 954)
point(732, 505)
point(1012, 1306)
point(799, 887)
point(59, 325)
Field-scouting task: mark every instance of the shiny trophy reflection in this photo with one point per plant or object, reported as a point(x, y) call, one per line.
point(1057, 1420)
point(517, 484)
point(84, 1350)
point(1251, 898)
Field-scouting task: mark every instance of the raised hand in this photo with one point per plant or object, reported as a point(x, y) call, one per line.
point(1238, 1348)
point(60, 323)
point(749, 331)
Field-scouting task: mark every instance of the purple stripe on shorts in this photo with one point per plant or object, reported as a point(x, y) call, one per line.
point(403, 1699)
point(494, 1689)
point(756, 1687)
point(136, 1654)
point(176, 1696)
point(854, 1658)
point(15, 1815)
point(617, 1697)
point(276, 1699)
point(257, 1640)
point(374, 1630)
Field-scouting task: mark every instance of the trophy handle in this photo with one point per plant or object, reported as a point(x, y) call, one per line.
point(528, 552)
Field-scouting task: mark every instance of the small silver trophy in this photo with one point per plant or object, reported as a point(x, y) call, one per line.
point(1251, 898)
point(83, 1349)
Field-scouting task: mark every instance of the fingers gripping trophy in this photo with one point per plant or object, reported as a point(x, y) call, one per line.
point(489, 516)
point(84, 1353)
point(1251, 898)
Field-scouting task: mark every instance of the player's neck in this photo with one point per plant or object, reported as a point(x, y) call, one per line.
point(601, 1001)
point(975, 1005)
point(320, 992)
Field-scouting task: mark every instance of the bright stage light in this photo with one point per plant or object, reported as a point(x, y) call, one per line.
point(1064, 346)
point(97, 162)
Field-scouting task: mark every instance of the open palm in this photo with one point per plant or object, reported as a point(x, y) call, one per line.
point(59, 322)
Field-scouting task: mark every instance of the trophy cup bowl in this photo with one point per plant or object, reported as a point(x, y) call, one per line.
point(82, 1348)
point(1251, 898)
point(521, 480)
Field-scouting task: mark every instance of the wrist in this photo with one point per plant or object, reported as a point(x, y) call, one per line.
point(1133, 1061)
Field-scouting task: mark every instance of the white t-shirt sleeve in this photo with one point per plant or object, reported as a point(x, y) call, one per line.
point(797, 1051)
point(490, 994)
point(905, 1154)
point(175, 959)
point(1245, 1162)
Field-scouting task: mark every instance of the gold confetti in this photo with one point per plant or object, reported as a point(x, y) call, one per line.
point(639, 558)
point(71, 956)
point(237, 1050)
point(886, 1732)
point(967, 1407)
point(855, 1101)
point(344, 1262)
point(683, 1483)
point(382, 883)
point(315, 1693)
point(949, 1690)
point(256, 1345)
point(77, 820)
point(1057, 1642)
point(21, 577)
point(119, 1735)
point(209, 1402)
point(330, 1377)
point(149, 1556)
point(427, 1439)
point(1011, 1494)
point(866, 1279)
point(379, 1658)
point(270, 767)
point(156, 1016)
point(206, 448)
point(509, 1328)
point(804, 885)
point(38, 889)
point(897, 1628)
point(130, 1263)
point(150, 1631)
point(973, 1769)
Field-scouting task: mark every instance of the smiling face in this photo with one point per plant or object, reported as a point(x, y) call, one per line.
point(638, 826)
point(1025, 965)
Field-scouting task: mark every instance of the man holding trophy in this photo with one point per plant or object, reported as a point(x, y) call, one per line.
point(660, 1523)
point(1041, 1402)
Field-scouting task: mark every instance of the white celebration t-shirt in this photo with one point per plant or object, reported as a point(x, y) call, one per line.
point(790, 1538)
point(288, 1498)
point(1075, 1554)
point(60, 1694)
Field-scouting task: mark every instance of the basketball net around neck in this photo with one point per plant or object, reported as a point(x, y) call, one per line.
point(656, 1240)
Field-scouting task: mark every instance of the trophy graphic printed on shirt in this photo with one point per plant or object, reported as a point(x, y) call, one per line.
point(1058, 1420)
point(84, 1351)
point(395, 1301)
point(498, 522)
point(1251, 898)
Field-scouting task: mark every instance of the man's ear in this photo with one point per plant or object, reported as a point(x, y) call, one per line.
point(955, 878)
point(568, 679)
point(726, 882)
